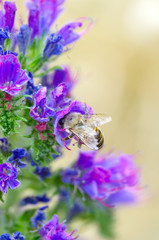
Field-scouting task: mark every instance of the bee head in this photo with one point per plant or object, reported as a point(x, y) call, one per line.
point(61, 122)
point(71, 120)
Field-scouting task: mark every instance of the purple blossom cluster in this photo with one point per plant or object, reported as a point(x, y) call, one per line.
point(8, 177)
point(54, 230)
point(15, 236)
point(9, 170)
point(111, 179)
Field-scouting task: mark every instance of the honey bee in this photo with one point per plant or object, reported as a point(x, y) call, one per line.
point(85, 128)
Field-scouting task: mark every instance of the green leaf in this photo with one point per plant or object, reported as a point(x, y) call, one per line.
point(1, 197)
point(17, 98)
point(28, 136)
point(104, 218)
point(36, 64)
point(16, 108)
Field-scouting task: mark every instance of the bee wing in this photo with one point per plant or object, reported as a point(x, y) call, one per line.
point(97, 119)
point(87, 135)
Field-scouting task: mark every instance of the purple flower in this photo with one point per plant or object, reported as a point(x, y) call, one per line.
point(4, 34)
point(7, 17)
point(34, 200)
point(68, 31)
point(8, 177)
point(54, 230)
point(86, 160)
point(96, 183)
point(7, 52)
point(5, 236)
point(10, 10)
point(54, 46)
point(15, 159)
point(17, 236)
point(126, 196)
point(12, 77)
point(23, 38)
point(40, 111)
point(77, 209)
point(59, 132)
point(43, 172)
point(60, 76)
point(66, 35)
point(31, 89)
point(42, 14)
point(63, 76)
point(64, 194)
point(29, 159)
point(70, 175)
point(58, 97)
point(112, 179)
point(38, 219)
point(4, 145)
point(2, 19)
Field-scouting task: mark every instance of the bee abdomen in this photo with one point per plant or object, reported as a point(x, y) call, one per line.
point(99, 137)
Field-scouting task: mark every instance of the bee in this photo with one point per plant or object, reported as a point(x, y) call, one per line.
point(85, 128)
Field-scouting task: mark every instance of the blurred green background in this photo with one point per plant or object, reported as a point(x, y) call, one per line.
point(117, 64)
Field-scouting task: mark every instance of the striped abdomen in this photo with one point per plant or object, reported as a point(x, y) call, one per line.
point(99, 137)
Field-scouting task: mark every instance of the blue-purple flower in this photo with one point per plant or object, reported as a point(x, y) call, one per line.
point(12, 77)
point(57, 42)
point(31, 89)
point(38, 219)
point(23, 38)
point(68, 31)
point(15, 236)
point(34, 200)
point(4, 145)
point(70, 175)
point(85, 160)
point(64, 194)
point(5, 236)
point(63, 76)
point(58, 97)
point(54, 46)
point(54, 230)
point(111, 179)
point(7, 52)
point(7, 17)
point(43, 172)
point(60, 76)
point(40, 111)
point(8, 177)
point(15, 159)
point(4, 34)
point(42, 14)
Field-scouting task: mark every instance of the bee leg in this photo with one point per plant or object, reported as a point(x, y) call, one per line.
point(74, 144)
point(79, 143)
point(68, 137)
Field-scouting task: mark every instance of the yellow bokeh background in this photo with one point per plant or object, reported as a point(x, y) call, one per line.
point(117, 64)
